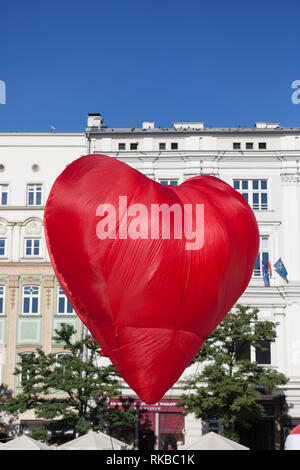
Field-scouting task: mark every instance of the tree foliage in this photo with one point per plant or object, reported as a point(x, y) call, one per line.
point(229, 385)
point(73, 392)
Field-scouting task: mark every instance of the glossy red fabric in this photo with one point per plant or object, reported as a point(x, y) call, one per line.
point(150, 303)
point(296, 430)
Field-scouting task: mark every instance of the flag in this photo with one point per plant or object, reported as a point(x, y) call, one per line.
point(270, 270)
point(265, 276)
point(280, 269)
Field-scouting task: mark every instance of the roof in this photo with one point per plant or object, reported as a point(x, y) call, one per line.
point(24, 443)
point(205, 130)
point(213, 441)
point(93, 441)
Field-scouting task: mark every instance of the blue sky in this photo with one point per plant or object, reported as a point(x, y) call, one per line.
point(226, 63)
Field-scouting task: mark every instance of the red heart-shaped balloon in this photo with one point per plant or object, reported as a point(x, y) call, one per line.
point(150, 301)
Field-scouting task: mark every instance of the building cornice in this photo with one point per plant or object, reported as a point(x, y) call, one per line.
point(12, 264)
point(42, 134)
point(190, 131)
point(210, 155)
point(22, 208)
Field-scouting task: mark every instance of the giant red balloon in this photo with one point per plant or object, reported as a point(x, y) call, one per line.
point(150, 302)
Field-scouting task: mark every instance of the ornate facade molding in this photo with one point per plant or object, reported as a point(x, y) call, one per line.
point(12, 296)
point(13, 285)
point(30, 280)
point(48, 281)
point(13, 281)
point(290, 178)
point(33, 228)
point(48, 297)
point(3, 229)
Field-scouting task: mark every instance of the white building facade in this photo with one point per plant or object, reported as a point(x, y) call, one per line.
point(262, 162)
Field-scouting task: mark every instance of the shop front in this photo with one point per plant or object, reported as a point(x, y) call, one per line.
point(159, 426)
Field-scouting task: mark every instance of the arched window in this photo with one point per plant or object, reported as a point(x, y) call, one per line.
point(60, 357)
point(31, 300)
point(62, 360)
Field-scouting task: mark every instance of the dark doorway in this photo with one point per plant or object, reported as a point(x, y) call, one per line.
point(260, 436)
point(266, 433)
point(146, 440)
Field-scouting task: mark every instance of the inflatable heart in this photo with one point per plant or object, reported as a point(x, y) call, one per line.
point(151, 270)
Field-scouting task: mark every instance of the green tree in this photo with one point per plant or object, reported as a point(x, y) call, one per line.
point(229, 385)
point(72, 392)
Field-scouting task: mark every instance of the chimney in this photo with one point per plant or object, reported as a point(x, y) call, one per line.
point(266, 125)
point(148, 125)
point(188, 125)
point(94, 120)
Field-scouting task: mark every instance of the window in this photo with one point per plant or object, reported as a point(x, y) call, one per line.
point(162, 146)
point(60, 357)
point(243, 350)
point(174, 146)
point(32, 246)
point(63, 305)
point(26, 361)
point(2, 247)
point(34, 195)
point(62, 361)
point(236, 145)
point(213, 424)
point(262, 257)
point(31, 296)
point(254, 191)
point(262, 145)
point(2, 294)
point(122, 146)
point(263, 356)
point(249, 145)
point(133, 146)
point(3, 194)
point(169, 182)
